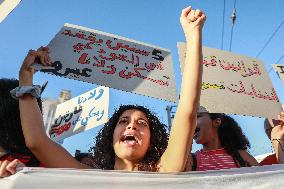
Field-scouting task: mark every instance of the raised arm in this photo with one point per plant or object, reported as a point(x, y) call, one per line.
point(182, 131)
point(47, 151)
point(277, 137)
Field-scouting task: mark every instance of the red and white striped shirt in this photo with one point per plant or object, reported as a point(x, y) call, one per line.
point(214, 160)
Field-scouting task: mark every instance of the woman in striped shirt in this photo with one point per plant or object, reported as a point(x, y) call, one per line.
point(224, 144)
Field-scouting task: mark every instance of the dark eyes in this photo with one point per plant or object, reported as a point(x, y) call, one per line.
point(122, 121)
point(143, 123)
point(139, 122)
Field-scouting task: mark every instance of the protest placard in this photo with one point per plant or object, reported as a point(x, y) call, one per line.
point(279, 69)
point(80, 113)
point(6, 7)
point(109, 60)
point(235, 84)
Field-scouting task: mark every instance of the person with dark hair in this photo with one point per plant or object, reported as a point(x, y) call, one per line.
point(104, 152)
point(84, 158)
point(133, 139)
point(224, 144)
point(12, 142)
point(274, 130)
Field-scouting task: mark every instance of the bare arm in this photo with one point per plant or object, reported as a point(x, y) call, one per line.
point(47, 151)
point(248, 158)
point(277, 138)
point(181, 135)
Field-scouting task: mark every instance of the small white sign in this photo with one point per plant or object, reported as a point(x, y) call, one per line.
point(80, 113)
point(279, 69)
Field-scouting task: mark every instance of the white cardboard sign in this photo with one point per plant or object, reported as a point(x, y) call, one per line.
point(80, 113)
point(279, 69)
point(109, 60)
point(235, 84)
point(6, 7)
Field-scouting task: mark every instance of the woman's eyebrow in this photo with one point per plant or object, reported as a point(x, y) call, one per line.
point(143, 119)
point(124, 117)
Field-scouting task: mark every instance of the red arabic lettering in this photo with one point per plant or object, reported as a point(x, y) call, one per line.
point(152, 66)
point(84, 59)
point(213, 61)
point(113, 56)
point(120, 45)
point(60, 129)
point(111, 71)
point(253, 93)
point(99, 63)
point(238, 67)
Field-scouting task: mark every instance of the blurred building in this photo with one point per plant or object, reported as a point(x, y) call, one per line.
point(49, 108)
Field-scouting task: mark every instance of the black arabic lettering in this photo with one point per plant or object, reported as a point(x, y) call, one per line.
point(84, 72)
point(76, 109)
point(157, 55)
point(57, 67)
point(57, 121)
point(281, 68)
point(67, 117)
point(77, 73)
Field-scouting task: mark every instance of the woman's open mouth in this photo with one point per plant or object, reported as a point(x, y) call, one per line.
point(129, 139)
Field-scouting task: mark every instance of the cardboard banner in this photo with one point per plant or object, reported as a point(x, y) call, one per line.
point(235, 84)
point(80, 113)
point(6, 7)
point(109, 60)
point(279, 69)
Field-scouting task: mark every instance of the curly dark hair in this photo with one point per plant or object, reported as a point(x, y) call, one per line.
point(11, 134)
point(103, 152)
point(232, 137)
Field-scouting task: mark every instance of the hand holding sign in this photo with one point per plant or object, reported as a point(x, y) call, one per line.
point(26, 72)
